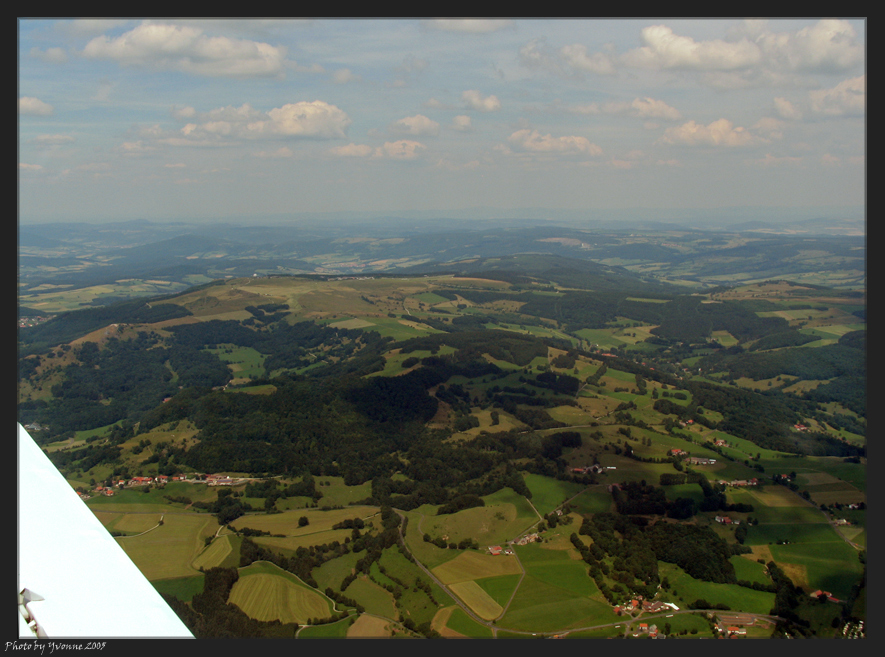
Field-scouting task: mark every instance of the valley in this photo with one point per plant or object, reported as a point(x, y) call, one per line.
point(512, 445)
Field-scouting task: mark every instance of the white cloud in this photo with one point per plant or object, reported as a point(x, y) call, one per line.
point(183, 113)
point(769, 126)
point(846, 98)
point(403, 149)
point(344, 75)
point(770, 160)
point(640, 108)
point(412, 67)
point(188, 50)
point(29, 167)
point(663, 49)
point(827, 46)
point(462, 123)
point(577, 58)
point(786, 110)
point(281, 152)
point(471, 25)
point(315, 120)
point(750, 54)
point(532, 140)
point(352, 150)
point(416, 126)
point(644, 108)
point(473, 99)
point(135, 147)
point(33, 106)
point(536, 54)
point(717, 133)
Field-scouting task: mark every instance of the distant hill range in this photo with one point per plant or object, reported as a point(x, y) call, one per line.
point(83, 254)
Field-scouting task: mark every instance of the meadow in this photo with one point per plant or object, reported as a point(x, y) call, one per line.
point(169, 550)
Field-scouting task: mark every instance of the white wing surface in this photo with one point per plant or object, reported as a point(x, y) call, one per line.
point(74, 581)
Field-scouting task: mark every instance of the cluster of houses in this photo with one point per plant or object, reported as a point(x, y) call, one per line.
point(160, 480)
point(147, 481)
point(740, 482)
point(219, 480)
point(725, 520)
point(800, 427)
point(528, 538)
point(498, 550)
point(638, 604)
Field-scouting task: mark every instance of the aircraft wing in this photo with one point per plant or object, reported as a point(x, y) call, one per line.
point(74, 580)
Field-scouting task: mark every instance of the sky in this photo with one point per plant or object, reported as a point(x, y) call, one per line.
point(171, 119)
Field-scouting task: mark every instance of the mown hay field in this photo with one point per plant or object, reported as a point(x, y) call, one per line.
point(266, 592)
point(223, 551)
point(478, 600)
point(370, 627)
point(473, 565)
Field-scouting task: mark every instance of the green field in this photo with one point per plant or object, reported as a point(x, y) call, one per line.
point(737, 598)
point(336, 630)
point(549, 493)
point(183, 588)
point(504, 516)
point(169, 551)
point(830, 566)
point(463, 624)
point(747, 568)
point(594, 499)
point(331, 573)
point(555, 594)
point(287, 522)
point(374, 598)
point(243, 362)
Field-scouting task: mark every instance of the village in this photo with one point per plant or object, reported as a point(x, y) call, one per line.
point(162, 480)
